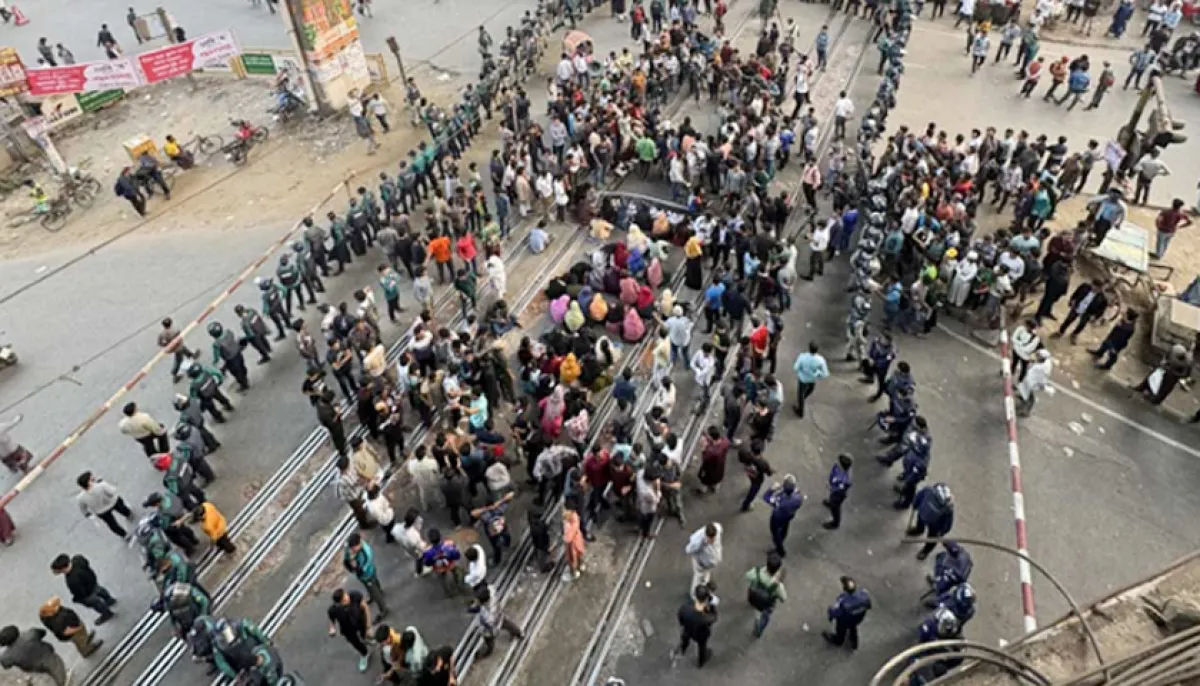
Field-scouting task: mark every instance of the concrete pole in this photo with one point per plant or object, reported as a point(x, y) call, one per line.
point(288, 9)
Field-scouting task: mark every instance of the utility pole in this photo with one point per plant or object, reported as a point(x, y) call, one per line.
point(288, 9)
point(395, 48)
point(1161, 128)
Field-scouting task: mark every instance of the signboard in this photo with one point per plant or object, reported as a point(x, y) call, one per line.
point(1114, 154)
point(84, 77)
point(60, 109)
point(12, 73)
point(326, 26)
point(184, 58)
point(98, 100)
point(258, 64)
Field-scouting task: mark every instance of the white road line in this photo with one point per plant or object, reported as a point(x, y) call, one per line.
point(1084, 399)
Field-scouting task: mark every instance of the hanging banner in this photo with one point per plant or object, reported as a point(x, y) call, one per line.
point(12, 73)
point(84, 77)
point(326, 26)
point(184, 58)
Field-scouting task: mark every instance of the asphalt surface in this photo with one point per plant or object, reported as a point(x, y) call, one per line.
point(1119, 483)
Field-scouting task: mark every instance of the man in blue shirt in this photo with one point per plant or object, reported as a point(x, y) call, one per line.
point(713, 296)
point(839, 487)
point(809, 367)
point(539, 238)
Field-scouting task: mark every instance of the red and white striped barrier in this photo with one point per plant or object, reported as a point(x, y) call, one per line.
point(161, 355)
point(1018, 495)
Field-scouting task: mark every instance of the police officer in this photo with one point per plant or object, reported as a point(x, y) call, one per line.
point(255, 332)
point(179, 478)
point(190, 447)
point(272, 304)
point(390, 196)
point(175, 568)
point(184, 604)
point(309, 277)
point(241, 648)
point(359, 227)
point(341, 248)
point(206, 389)
point(785, 500)
point(856, 328)
point(933, 508)
point(191, 415)
point(200, 641)
point(289, 282)
point(879, 360)
point(961, 601)
point(951, 567)
point(899, 382)
point(846, 613)
point(226, 348)
point(366, 200)
point(941, 625)
point(314, 238)
point(899, 416)
point(839, 488)
point(161, 529)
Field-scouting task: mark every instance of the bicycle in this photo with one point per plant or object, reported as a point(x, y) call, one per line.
point(79, 187)
point(207, 145)
point(53, 219)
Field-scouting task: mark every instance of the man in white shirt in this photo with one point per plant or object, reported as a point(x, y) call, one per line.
point(800, 90)
point(704, 369)
point(705, 550)
point(843, 109)
point(565, 71)
point(818, 243)
point(476, 566)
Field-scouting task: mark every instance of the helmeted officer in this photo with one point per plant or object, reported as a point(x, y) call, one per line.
point(254, 331)
point(184, 604)
point(205, 388)
point(341, 247)
point(289, 280)
point(951, 567)
point(961, 601)
point(241, 648)
point(190, 447)
point(314, 238)
point(846, 613)
point(179, 478)
point(272, 304)
point(227, 349)
point(934, 506)
point(191, 415)
point(308, 271)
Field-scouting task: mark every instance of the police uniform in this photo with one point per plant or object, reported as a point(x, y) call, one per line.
point(227, 349)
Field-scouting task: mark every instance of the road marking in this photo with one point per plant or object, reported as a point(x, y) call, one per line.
point(1085, 400)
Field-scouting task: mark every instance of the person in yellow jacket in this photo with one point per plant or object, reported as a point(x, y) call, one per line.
point(570, 369)
point(213, 524)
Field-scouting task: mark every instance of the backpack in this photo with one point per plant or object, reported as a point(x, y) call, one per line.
point(760, 596)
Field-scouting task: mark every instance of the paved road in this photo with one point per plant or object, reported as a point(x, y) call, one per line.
point(427, 30)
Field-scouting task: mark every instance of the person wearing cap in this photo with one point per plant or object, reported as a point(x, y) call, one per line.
point(144, 429)
point(785, 500)
point(66, 625)
point(1036, 379)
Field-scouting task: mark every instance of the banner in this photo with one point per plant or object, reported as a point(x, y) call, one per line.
point(98, 100)
point(12, 73)
point(326, 26)
point(84, 77)
point(184, 58)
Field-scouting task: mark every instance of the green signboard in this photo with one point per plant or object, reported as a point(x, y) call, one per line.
point(97, 100)
point(258, 63)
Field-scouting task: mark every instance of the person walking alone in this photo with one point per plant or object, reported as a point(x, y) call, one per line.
point(839, 487)
point(1117, 340)
point(350, 616)
point(84, 587)
point(810, 367)
point(100, 499)
point(144, 429)
point(696, 619)
point(765, 590)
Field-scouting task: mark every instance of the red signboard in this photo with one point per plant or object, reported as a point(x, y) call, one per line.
point(184, 58)
point(84, 77)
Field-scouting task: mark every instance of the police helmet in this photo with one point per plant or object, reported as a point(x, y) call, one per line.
point(183, 432)
point(215, 329)
point(298, 246)
point(965, 593)
point(947, 623)
point(283, 260)
point(943, 494)
point(193, 371)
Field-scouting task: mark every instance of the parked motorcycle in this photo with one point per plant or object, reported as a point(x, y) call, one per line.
point(246, 137)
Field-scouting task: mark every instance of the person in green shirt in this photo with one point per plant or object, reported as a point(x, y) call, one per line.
point(765, 590)
point(420, 181)
point(647, 151)
point(389, 280)
point(465, 284)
